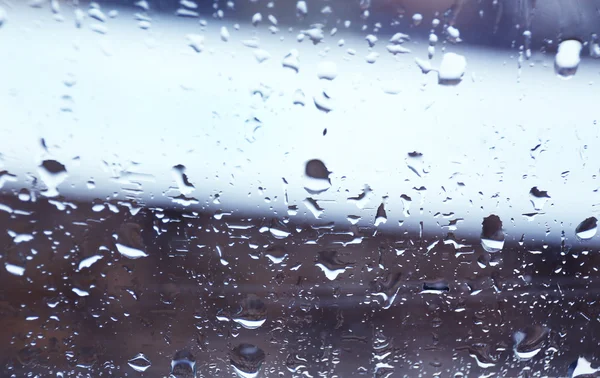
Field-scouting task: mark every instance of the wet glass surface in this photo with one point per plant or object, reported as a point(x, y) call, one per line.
point(373, 188)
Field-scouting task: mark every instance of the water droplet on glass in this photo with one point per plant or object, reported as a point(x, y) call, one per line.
point(196, 42)
point(453, 34)
point(399, 38)
point(371, 40)
point(314, 207)
point(316, 177)
point(538, 198)
point(381, 216)
point(301, 8)
point(482, 353)
point(139, 363)
point(252, 313)
point(298, 97)
point(291, 60)
point(327, 70)
point(371, 57)
point(97, 14)
point(261, 55)
point(183, 365)
point(397, 49)
point(14, 269)
point(581, 367)
point(417, 18)
point(130, 243)
point(224, 34)
point(492, 235)
point(587, 229)
point(567, 58)
point(52, 174)
point(452, 69)
point(246, 360)
point(315, 33)
point(183, 183)
point(331, 265)
point(530, 341)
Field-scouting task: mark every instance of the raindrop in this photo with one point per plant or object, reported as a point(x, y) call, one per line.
point(417, 18)
point(301, 8)
point(399, 38)
point(492, 235)
point(14, 269)
point(371, 40)
point(381, 216)
point(316, 177)
point(224, 34)
point(256, 19)
point(314, 207)
point(397, 49)
point(452, 69)
point(482, 355)
point(587, 229)
point(371, 57)
point(581, 367)
point(52, 174)
point(538, 198)
point(88, 262)
point(97, 14)
point(453, 33)
point(437, 287)
point(327, 70)
point(139, 363)
point(196, 41)
point(183, 365)
point(252, 313)
point(315, 33)
point(183, 183)
point(387, 289)
point(261, 55)
point(298, 97)
point(424, 65)
point(567, 58)
point(530, 341)
point(130, 241)
point(246, 360)
point(291, 60)
point(330, 264)
point(323, 102)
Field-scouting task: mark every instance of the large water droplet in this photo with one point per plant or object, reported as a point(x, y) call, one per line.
point(581, 367)
point(183, 183)
point(567, 58)
point(538, 198)
point(331, 265)
point(246, 360)
point(587, 229)
point(53, 174)
point(530, 341)
point(452, 69)
point(316, 177)
point(139, 363)
point(492, 235)
point(482, 355)
point(183, 365)
point(3, 16)
point(252, 313)
point(327, 70)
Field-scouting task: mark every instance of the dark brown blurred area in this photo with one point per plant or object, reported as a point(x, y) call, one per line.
point(451, 304)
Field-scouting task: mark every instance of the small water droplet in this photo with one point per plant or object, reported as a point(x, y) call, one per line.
point(291, 60)
point(196, 42)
